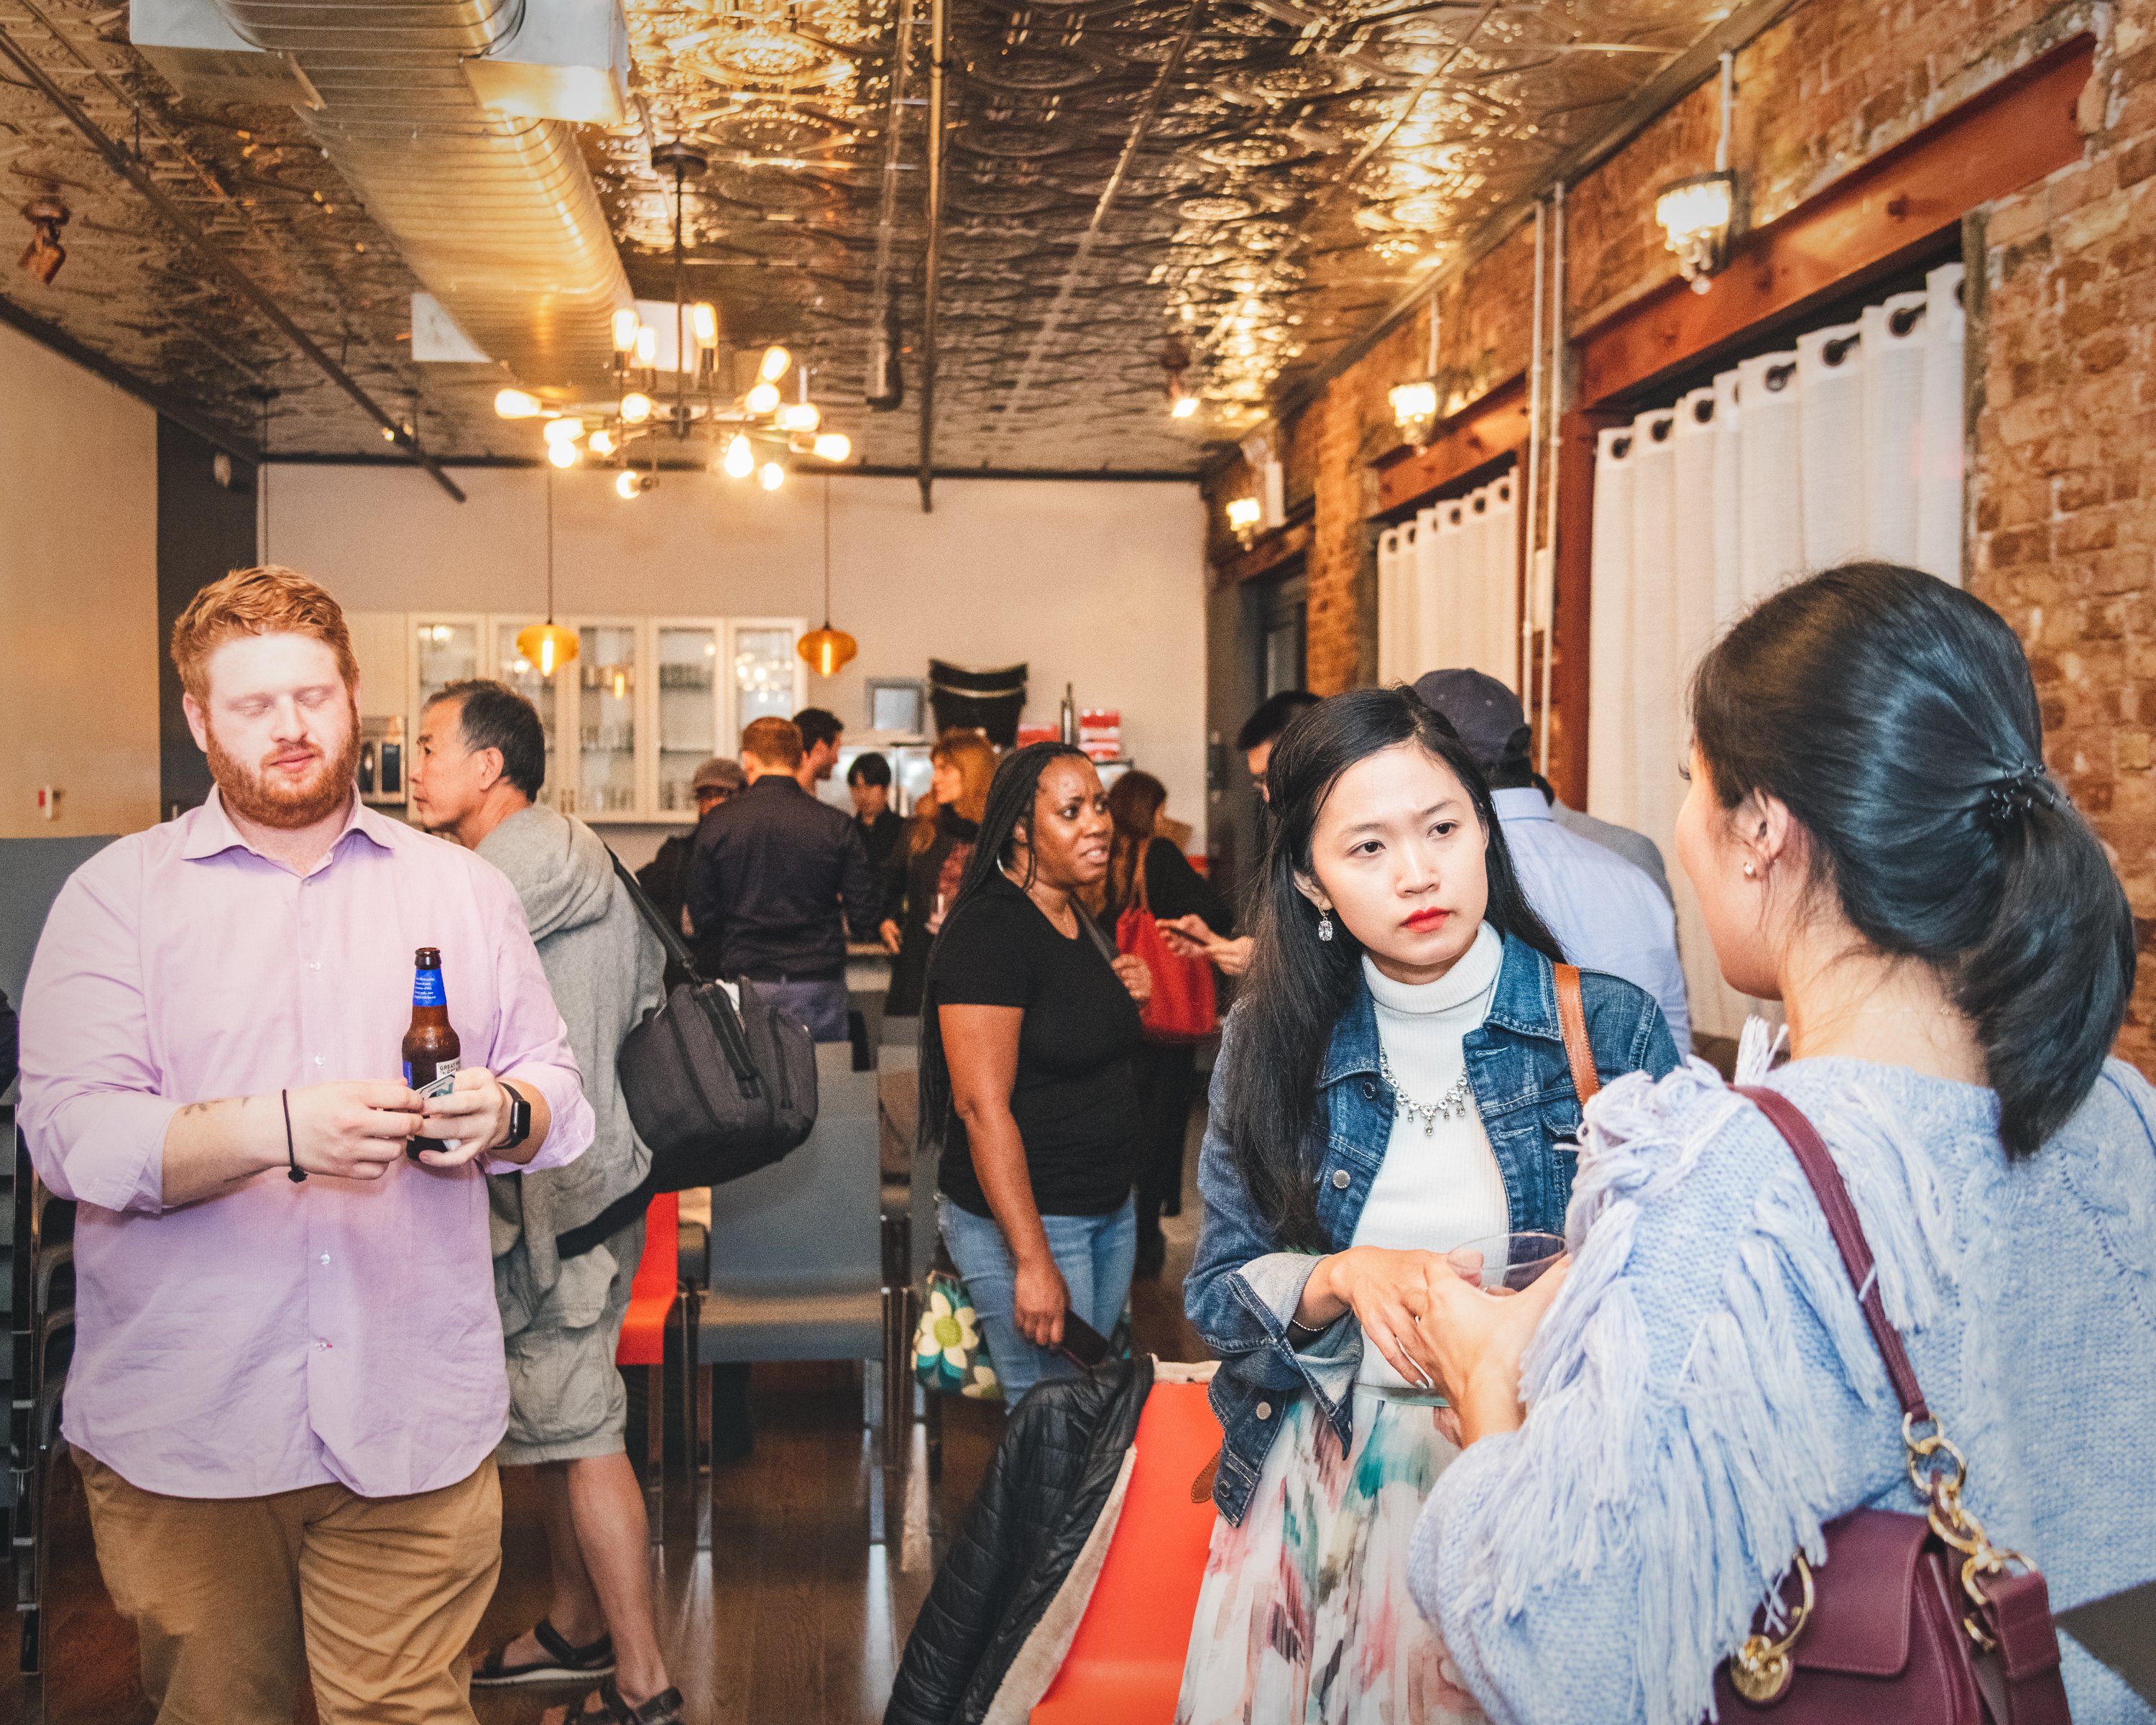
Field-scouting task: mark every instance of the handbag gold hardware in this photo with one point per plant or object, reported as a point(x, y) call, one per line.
point(1763, 1669)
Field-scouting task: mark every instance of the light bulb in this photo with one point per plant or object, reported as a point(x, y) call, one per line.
point(706, 317)
point(516, 404)
point(601, 442)
point(563, 431)
point(771, 476)
point(564, 453)
point(620, 684)
point(628, 486)
point(636, 406)
point(776, 360)
point(763, 398)
point(647, 345)
point(1185, 406)
point(834, 446)
point(800, 416)
point(741, 458)
point(626, 323)
point(547, 656)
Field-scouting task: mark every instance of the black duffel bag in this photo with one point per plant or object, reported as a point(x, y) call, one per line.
point(715, 1093)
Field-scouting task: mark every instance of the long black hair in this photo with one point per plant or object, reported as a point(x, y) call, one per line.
point(1299, 986)
point(1011, 795)
point(1896, 716)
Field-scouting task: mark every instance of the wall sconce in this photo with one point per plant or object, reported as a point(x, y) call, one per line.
point(1244, 514)
point(1414, 409)
point(1694, 215)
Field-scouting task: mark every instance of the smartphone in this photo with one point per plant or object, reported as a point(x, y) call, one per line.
point(1082, 1345)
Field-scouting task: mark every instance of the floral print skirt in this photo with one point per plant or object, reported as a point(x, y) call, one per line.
point(1304, 1617)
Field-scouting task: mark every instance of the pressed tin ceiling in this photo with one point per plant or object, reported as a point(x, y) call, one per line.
point(1248, 183)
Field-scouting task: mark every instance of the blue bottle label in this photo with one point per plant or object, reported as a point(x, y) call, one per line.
point(426, 988)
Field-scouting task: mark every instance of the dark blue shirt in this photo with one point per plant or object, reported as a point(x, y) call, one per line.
point(775, 878)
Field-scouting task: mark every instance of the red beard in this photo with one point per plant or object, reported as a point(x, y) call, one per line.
point(287, 807)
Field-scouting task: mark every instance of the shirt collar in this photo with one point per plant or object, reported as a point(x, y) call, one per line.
point(1525, 1002)
point(211, 832)
point(1521, 802)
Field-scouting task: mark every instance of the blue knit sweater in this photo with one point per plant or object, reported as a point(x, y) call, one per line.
point(1703, 1393)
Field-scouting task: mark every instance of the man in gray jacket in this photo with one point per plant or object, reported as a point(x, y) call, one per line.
point(567, 1241)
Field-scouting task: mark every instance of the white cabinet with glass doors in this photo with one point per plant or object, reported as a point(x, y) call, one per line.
point(643, 704)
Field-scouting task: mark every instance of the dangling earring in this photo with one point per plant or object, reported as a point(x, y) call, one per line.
point(1325, 925)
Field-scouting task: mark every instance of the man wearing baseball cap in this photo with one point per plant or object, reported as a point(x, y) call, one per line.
point(1605, 909)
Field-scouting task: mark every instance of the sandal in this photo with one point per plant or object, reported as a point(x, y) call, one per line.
point(564, 1663)
point(663, 1708)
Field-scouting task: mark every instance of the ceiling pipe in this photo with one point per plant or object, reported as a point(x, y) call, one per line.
point(117, 158)
point(938, 20)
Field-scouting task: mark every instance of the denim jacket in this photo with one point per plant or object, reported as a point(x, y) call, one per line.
point(1243, 1287)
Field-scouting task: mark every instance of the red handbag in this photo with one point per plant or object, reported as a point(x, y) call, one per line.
point(1914, 1620)
point(1182, 1008)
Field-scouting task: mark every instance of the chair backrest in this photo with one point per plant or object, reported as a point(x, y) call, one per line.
point(32, 872)
point(658, 1270)
point(812, 1223)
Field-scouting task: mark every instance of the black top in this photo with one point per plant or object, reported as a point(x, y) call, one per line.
point(1075, 1100)
point(913, 880)
point(879, 837)
point(768, 873)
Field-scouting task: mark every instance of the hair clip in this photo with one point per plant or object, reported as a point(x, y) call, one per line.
point(2013, 794)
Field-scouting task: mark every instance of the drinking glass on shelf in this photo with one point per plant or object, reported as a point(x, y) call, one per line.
point(1505, 1263)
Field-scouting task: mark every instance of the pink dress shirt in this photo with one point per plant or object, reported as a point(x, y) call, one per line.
point(281, 1334)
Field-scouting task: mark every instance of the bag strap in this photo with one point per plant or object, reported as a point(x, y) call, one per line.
point(1841, 1220)
point(716, 1005)
point(1572, 1019)
point(669, 938)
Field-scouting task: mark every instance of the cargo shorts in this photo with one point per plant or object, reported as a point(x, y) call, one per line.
point(567, 1400)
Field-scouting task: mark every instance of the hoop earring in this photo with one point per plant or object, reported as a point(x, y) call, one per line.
point(1325, 925)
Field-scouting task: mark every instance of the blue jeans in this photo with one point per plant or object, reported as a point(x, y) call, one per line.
point(821, 1006)
point(1095, 1254)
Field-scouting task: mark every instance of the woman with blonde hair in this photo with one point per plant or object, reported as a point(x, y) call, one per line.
point(922, 878)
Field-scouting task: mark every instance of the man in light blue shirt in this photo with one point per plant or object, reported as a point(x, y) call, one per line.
point(1607, 913)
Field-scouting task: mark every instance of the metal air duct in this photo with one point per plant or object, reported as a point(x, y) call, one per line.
point(494, 213)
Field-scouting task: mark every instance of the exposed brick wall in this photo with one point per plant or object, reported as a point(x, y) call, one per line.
point(2062, 482)
point(2063, 479)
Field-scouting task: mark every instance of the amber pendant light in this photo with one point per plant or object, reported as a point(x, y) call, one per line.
point(547, 645)
point(827, 650)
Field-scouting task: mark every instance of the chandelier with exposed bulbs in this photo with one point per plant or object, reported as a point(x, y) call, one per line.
point(755, 431)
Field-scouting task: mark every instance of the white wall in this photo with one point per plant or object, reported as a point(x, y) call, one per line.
point(77, 598)
point(1098, 584)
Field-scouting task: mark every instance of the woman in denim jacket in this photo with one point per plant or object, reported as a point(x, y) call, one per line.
point(1393, 1084)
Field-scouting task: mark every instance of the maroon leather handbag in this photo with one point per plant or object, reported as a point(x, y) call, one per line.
point(1914, 1620)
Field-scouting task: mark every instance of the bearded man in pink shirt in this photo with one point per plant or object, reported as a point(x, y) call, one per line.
point(288, 1385)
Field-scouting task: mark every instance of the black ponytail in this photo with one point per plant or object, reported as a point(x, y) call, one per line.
point(1011, 795)
point(1299, 986)
point(1896, 716)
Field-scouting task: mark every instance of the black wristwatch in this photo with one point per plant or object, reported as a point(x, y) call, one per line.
point(520, 1116)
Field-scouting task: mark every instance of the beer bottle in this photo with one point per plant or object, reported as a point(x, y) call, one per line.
point(431, 1047)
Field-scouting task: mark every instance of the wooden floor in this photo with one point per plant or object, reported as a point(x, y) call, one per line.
point(777, 1605)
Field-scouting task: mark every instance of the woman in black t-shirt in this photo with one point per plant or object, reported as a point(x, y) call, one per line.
point(1028, 1026)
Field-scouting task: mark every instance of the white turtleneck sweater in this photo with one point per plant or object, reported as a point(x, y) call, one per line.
point(1437, 1190)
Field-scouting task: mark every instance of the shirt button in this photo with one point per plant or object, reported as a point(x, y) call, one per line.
point(321, 1347)
point(326, 1257)
point(314, 964)
point(1369, 1090)
point(1264, 1410)
point(318, 1059)
point(1340, 1179)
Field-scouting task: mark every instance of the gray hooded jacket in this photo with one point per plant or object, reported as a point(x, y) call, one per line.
point(605, 968)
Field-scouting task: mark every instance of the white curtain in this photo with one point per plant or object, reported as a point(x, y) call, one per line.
point(1847, 445)
point(1448, 588)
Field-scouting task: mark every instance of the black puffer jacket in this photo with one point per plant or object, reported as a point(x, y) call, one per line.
point(1051, 1477)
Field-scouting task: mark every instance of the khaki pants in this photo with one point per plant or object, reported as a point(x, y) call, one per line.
point(238, 1599)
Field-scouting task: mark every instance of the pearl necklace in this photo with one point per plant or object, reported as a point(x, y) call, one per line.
point(1454, 1104)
